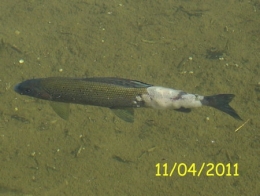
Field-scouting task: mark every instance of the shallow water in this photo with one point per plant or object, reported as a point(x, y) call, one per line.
point(204, 47)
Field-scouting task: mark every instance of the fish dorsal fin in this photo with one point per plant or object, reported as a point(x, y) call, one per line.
point(119, 81)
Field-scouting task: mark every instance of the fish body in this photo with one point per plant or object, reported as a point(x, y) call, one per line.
point(105, 92)
point(119, 93)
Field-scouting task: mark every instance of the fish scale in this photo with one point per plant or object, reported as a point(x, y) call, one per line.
point(89, 92)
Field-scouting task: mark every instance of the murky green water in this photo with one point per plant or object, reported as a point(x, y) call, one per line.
point(204, 47)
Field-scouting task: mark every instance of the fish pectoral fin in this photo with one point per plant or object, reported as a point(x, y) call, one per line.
point(182, 109)
point(126, 114)
point(62, 109)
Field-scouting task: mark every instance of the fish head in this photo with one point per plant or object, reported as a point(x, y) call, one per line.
point(32, 88)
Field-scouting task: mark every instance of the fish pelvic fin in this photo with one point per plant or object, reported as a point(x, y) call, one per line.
point(126, 114)
point(221, 102)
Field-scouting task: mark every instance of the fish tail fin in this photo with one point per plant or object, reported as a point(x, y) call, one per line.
point(221, 102)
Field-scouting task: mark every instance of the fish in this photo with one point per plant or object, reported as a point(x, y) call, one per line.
point(121, 95)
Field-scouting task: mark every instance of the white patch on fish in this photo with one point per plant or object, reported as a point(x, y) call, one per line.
point(164, 98)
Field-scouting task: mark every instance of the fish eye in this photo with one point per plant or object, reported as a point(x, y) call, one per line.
point(27, 90)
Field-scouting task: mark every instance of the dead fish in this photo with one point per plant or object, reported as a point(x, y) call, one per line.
point(120, 95)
